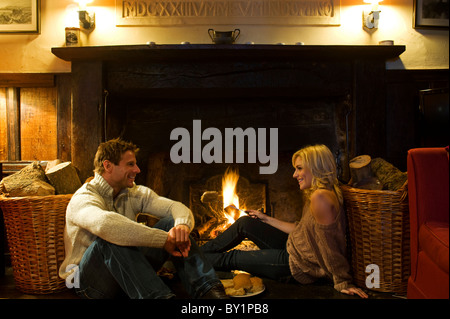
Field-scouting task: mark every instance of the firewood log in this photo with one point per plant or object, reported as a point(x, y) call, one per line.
point(210, 196)
point(51, 164)
point(64, 178)
point(29, 181)
point(361, 174)
point(360, 168)
point(391, 177)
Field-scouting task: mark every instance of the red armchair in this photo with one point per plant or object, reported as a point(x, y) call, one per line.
point(428, 190)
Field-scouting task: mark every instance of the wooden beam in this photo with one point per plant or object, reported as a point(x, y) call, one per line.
point(27, 80)
point(213, 52)
point(64, 116)
point(370, 108)
point(87, 129)
point(13, 123)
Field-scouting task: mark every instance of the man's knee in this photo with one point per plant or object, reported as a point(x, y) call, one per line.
point(105, 248)
point(165, 223)
point(98, 244)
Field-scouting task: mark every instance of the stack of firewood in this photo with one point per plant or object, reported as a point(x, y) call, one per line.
point(375, 174)
point(58, 178)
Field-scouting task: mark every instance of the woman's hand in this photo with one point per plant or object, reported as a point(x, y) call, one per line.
point(279, 224)
point(354, 290)
point(258, 215)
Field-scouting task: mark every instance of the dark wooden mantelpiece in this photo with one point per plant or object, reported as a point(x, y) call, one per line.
point(175, 52)
point(357, 72)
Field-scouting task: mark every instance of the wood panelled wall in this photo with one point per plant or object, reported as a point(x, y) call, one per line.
point(35, 114)
point(402, 109)
point(3, 126)
point(34, 117)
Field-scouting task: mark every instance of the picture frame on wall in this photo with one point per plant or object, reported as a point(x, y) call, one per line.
point(20, 16)
point(431, 14)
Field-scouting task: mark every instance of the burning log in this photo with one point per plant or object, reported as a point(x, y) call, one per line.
point(212, 228)
point(210, 201)
point(234, 212)
point(210, 196)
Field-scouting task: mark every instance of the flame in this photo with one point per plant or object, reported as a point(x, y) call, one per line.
point(229, 183)
point(224, 218)
point(230, 197)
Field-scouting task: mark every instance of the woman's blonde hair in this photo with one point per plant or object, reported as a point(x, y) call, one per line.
point(321, 162)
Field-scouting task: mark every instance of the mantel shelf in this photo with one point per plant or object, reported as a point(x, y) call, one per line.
point(188, 52)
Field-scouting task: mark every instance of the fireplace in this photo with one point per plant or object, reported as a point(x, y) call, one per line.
point(220, 200)
point(311, 94)
point(299, 121)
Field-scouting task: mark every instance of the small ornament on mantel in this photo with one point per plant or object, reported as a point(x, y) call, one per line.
point(73, 37)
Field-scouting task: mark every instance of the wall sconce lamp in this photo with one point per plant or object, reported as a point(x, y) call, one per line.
point(87, 19)
point(371, 18)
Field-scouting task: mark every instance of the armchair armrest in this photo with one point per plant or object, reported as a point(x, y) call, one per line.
point(428, 189)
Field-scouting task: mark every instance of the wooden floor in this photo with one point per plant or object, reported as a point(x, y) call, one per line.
point(274, 290)
point(8, 290)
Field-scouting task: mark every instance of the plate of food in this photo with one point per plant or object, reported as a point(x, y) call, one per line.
point(243, 285)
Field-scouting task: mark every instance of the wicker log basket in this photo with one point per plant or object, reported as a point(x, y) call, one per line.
point(35, 232)
point(378, 225)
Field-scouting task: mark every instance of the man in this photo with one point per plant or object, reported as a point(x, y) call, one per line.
point(116, 256)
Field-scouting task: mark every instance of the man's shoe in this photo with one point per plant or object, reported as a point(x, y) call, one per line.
point(216, 292)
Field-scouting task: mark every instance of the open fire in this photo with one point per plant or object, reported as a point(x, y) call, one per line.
point(230, 197)
point(225, 206)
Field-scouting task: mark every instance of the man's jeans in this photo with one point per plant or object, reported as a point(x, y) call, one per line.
point(112, 271)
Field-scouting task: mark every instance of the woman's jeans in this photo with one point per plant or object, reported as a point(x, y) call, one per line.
point(111, 271)
point(271, 261)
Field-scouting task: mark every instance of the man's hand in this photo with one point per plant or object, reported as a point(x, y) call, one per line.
point(182, 239)
point(178, 243)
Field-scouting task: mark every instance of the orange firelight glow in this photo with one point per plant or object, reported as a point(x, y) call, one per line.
point(230, 197)
point(225, 216)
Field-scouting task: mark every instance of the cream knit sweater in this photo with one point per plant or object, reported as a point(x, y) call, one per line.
point(92, 212)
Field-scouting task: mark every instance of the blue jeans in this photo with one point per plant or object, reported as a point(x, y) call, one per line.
point(111, 271)
point(271, 261)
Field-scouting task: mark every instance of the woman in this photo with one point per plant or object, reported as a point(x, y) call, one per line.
point(307, 250)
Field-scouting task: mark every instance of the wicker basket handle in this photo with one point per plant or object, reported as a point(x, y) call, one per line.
point(404, 191)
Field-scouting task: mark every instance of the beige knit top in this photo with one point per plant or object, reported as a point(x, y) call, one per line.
point(318, 250)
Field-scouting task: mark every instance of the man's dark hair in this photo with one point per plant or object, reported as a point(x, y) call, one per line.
point(112, 151)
